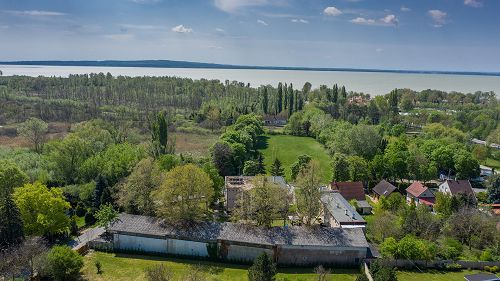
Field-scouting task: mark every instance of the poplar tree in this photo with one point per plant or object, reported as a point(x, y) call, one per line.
point(160, 135)
point(279, 102)
point(265, 100)
point(335, 94)
point(285, 97)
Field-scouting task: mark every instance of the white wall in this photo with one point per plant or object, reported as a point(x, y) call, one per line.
point(166, 246)
point(243, 253)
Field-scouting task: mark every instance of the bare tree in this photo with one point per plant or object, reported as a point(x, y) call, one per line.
point(322, 273)
point(34, 131)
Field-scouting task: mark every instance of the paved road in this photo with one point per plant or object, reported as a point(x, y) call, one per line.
point(87, 236)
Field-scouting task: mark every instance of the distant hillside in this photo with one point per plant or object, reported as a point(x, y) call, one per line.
point(188, 64)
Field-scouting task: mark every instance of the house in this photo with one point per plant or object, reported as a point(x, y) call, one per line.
point(235, 185)
point(353, 191)
point(482, 277)
point(337, 212)
point(232, 242)
point(275, 120)
point(456, 187)
point(420, 194)
point(383, 188)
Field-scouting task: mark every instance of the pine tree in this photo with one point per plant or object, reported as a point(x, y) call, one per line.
point(100, 186)
point(393, 101)
point(263, 269)
point(296, 106)
point(261, 167)
point(11, 224)
point(343, 94)
point(276, 169)
point(335, 94)
point(106, 196)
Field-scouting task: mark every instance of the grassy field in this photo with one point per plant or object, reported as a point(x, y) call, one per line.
point(194, 143)
point(434, 275)
point(131, 267)
point(288, 148)
point(492, 163)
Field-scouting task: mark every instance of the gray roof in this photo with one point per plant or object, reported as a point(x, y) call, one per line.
point(481, 277)
point(336, 205)
point(213, 231)
point(384, 188)
point(363, 204)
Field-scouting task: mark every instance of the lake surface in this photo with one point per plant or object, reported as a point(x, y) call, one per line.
point(374, 83)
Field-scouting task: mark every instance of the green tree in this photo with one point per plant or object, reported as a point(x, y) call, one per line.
point(185, 194)
point(358, 169)
point(340, 168)
point(11, 224)
point(279, 99)
point(466, 167)
point(493, 185)
point(159, 137)
point(308, 193)
point(251, 168)
point(263, 269)
point(265, 100)
point(480, 152)
point(106, 215)
point(11, 177)
point(34, 131)
point(276, 169)
point(223, 158)
point(64, 263)
point(301, 163)
point(43, 210)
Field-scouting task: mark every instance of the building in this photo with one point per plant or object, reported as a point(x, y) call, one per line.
point(235, 185)
point(353, 191)
point(456, 187)
point(291, 246)
point(337, 212)
point(383, 188)
point(275, 120)
point(420, 194)
point(482, 277)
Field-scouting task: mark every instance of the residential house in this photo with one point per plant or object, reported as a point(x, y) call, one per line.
point(353, 191)
point(456, 187)
point(337, 212)
point(235, 185)
point(482, 277)
point(232, 242)
point(420, 194)
point(383, 188)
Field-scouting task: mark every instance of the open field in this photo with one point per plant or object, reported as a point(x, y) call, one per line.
point(131, 267)
point(288, 148)
point(194, 143)
point(434, 275)
point(492, 163)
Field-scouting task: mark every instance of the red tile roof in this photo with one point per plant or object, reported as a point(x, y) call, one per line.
point(416, 189)
point(427, 201)
point(350, 190)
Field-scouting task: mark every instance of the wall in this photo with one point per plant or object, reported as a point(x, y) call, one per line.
point(311, 256)
point(238, 253)
point(438, 264)
point(231, 198)
point(164, 246)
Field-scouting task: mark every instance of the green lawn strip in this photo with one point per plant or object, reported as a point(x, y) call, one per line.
point(131, 267)
point(288, 148)
point(492, 163)
point(434, 275)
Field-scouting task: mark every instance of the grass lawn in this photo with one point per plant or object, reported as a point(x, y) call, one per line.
point(492, 163)
point(194, 143)
point(288, 148)
point(434, 275)
point(131, 267)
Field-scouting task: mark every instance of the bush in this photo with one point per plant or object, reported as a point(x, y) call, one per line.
point(453, 267)
point(159, 273)
point(89, 218)
point(361, 277)
point(64, 263)
point(492, 269)
point(263, 269)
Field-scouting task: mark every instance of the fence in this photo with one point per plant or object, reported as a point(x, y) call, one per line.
point(409, 264)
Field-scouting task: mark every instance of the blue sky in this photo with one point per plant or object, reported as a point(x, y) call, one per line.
point(462, 35)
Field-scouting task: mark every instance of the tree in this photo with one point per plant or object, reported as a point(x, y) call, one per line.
point(279, 100)
point(213, 118)
point(300, 164)
point(493, 185)
point(265, 100)
point(222, 158)
point(276, 169)
point(468, 225)
point(358, 169)
point(11, 224)
point(466, 167)
point(134, 193)
point(106, 215)
point(261, 168)
point(43, 210)
point(100, 186)
point(64, 263)
point(365, 141)
point(185, 194)
point(159, 137)
point(11, 176)
point(34, 131)
point(322, 273)
point(340, 167)
point(26, 258)
point(480, 152)
point(308, 193)
point(263, 269)
point(159, 272)
point(251, 168)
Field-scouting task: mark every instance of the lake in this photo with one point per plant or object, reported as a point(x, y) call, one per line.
point(374, 83)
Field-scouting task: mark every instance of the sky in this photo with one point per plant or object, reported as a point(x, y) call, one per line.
point(450, 35)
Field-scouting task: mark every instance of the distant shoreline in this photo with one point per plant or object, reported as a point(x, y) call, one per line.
point(187, 64)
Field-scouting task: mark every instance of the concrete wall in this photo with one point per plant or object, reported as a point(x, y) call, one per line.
point(163, 246)
point(238, 253)
point(312, 256)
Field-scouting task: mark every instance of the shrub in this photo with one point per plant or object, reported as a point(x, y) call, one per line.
point(453, 267)
point(89, 219)
point(492, 269)
point(64, 263)
point(263, 269)
point(98, 267)
point(159, 273)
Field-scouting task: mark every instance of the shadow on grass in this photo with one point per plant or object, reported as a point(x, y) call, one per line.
point(262, 142)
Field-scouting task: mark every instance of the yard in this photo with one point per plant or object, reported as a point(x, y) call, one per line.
point(131, 267)
point(434, 275)
point(287, 148)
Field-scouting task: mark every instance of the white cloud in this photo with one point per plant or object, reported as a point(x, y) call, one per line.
point(218, 29)
point(231, 6)
point(473, 3)
point(332, 11)
point(182, 29)
point(37, 13)
point(262, 22)
point(438, 16)
point(300, 21)
point(405, 9)
point(389, 20)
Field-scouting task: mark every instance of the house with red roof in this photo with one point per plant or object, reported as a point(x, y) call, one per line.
point(420, 194)
point(353, 191)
